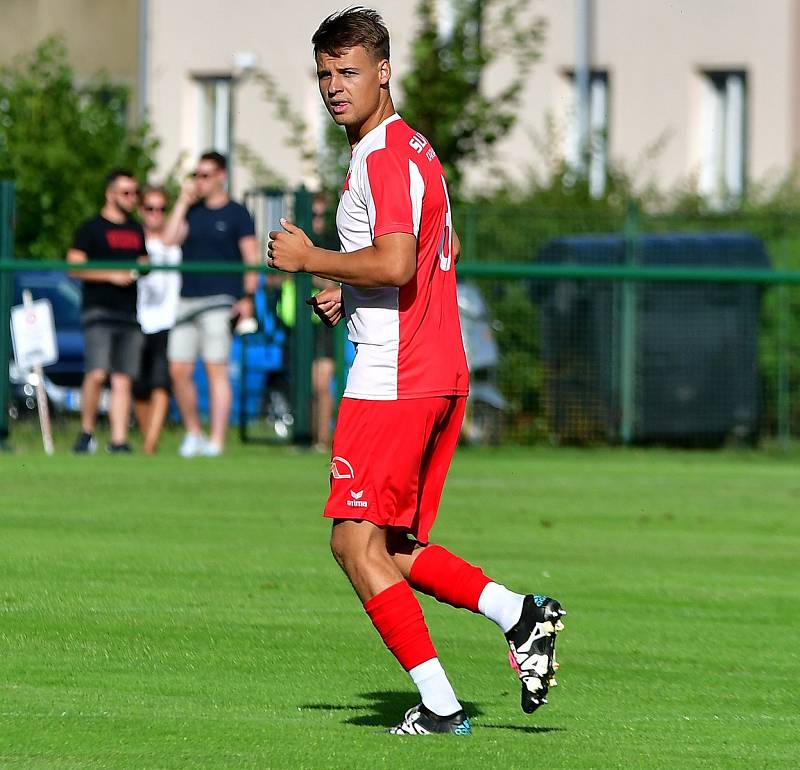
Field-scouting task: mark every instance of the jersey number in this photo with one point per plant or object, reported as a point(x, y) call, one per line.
point(446, 241)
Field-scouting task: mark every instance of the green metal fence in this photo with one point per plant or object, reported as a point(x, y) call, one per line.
point(581, 359)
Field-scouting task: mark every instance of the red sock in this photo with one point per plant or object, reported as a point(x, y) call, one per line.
point(397, 616)
point(448, 578)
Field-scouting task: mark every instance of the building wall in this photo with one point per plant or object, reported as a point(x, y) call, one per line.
point(99, 35)
point(654, 53)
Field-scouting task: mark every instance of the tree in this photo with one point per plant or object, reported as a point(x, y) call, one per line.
point(57, 142)
point(444, 95)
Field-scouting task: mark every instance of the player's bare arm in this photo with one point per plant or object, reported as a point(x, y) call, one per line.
point(117, 277)
point(390, 261)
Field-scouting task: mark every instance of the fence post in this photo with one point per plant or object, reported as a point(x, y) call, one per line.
point(303, 332)
point(628, 330)
point(6, 298)
point(783, 406)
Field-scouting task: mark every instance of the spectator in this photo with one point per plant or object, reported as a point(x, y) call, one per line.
point(157, 309)
point(112, 338)
point(324, 365)
point(211, 228)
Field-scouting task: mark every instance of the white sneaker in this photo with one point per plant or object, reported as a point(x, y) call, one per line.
point(193, 445)
point(211, 450)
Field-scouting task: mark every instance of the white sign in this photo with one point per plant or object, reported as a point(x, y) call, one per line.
point(34, 334)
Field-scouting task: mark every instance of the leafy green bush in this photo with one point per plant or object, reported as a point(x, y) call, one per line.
point(57, 142)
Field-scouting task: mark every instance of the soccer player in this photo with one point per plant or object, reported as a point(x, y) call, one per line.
point(403, 406)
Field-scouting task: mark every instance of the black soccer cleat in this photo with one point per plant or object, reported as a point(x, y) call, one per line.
point(532, 645)
point(420, 720)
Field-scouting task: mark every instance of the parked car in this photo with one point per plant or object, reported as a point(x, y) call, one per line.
point(63, 378)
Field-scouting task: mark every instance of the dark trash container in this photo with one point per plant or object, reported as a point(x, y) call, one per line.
point(694, 378)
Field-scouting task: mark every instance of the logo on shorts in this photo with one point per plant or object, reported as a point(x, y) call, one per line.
point(341, 469)
point(357, 502)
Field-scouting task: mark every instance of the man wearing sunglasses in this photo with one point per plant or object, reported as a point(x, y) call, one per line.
point(112, 337)
point(210, 227)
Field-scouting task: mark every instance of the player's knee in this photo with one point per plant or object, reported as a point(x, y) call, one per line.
point(348, 548)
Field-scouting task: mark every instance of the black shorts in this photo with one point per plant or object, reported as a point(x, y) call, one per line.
point(154, 370)
point(113, 347)
point(324, 341)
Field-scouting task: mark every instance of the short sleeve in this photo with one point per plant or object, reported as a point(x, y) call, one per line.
point(393, 190)
point(83, 238)
point(245, 225)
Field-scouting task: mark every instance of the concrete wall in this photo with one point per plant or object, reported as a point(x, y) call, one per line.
point(100, 34)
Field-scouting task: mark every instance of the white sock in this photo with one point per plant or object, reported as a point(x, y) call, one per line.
point(435, 688)
point(502, 606)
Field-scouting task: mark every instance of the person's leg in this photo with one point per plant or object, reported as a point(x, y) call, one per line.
point(182, 374)
point(119, 407)
point(182, 350)
point(215, 350)
point(159, 406)
point(529, 622)
point(435, 571)
point(141, 409)
point(91, 389)
point(322, 403)
point(360, 548)
point(97, 338)
point(220, 398)
point(158, 381)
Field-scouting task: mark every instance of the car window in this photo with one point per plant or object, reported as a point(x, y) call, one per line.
point(64, 296)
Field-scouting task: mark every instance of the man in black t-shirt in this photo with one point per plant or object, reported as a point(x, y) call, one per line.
point(112, 337)
point(210, 227)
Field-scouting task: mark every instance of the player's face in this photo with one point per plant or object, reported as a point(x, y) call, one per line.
point(350, 84)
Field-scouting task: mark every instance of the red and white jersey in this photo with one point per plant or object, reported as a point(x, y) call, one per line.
point(408, 339)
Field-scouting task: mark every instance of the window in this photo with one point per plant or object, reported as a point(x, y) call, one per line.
point(723, 136)
point(214, 113)
point(596, 154)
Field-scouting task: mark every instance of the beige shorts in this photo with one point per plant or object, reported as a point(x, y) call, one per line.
point(203, 330)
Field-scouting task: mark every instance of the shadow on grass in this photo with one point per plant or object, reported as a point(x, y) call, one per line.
point(525, 728)
point(384, 708)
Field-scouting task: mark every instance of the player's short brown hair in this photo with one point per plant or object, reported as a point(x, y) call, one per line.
point(351, 27)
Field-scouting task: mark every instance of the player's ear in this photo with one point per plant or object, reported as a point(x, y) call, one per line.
point(384, 72)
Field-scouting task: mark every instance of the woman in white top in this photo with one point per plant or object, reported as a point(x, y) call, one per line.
point(156, 309)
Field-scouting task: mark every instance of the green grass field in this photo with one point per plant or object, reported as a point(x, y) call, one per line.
point(165, 613)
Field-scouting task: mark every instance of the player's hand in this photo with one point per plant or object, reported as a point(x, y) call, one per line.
point(288, 250)
point(327, 304)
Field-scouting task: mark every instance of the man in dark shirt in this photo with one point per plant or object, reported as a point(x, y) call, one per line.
point(210, 227)
point(112, 338)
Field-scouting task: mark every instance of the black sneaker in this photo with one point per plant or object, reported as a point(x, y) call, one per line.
point(119, 449)
point(532, 644)
point(422, 721)
point(84, 444)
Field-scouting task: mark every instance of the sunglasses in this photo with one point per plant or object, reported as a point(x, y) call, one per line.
point(151, 209)
point(200, 174)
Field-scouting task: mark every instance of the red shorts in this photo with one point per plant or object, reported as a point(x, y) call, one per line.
point(390, 460)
